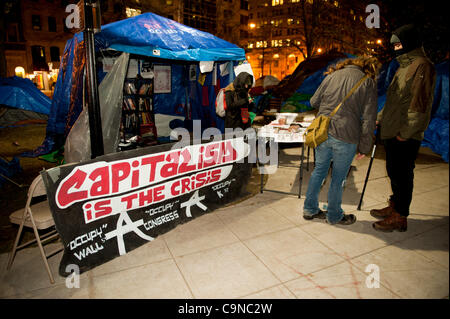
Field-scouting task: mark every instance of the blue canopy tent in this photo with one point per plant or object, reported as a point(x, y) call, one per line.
point(163, 40)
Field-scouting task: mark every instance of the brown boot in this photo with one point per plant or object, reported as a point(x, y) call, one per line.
point(384, 212)
point(394, 222)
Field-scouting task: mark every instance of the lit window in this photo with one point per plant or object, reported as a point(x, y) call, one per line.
point(20, 71)
point(276, 2)
point(336, 4)
point(130, 12)
point(276, 56)
point(290, 21)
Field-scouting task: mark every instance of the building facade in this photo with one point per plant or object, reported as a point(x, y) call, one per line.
point(282, 33)
point(35, 38)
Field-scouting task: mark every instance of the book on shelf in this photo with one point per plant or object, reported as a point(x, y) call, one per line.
point(146, 89)
point(130, 88)
point(129, 104)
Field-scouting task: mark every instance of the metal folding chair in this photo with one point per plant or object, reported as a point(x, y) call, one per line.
point(39, 217)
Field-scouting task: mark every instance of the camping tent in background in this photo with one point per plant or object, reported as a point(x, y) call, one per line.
point(304, 70)
point(437, 134)
point(266, 81)
point(167, 42)
point(20, 100)
point(295, 90)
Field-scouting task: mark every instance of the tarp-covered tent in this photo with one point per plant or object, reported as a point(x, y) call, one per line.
point(296, 89)
point(437, 134)
point(20, 100)
point(164, 40)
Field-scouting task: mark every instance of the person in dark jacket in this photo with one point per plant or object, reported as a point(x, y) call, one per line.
point(238, 102)
point(403, 121)
point(351, 131)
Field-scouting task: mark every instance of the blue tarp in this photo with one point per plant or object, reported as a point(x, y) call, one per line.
point(22, 94)
point(150, 35)
point(437, 134)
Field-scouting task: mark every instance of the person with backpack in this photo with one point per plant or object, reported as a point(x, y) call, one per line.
point(352, 83)
point(239, 106)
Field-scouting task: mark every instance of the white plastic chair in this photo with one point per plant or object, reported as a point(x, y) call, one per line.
point(38, 217)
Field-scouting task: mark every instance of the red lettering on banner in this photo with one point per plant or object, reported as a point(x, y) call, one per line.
point(201, 179)
point(170, 169)
point(102, 208)
point(185, 185)
point(157, 192)
point(146, 197)
point(153, 162)
point(76, 180)
point(184, 167)
point(100, 187)
point(119, 172)
point(227, 151)
point(129, 200)
point(173, 189)
point(215, 176)
point(210, 155)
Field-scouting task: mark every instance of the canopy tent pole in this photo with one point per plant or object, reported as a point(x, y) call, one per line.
point(95, 121)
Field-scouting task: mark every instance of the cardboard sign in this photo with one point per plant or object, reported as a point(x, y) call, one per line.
point(115, 203)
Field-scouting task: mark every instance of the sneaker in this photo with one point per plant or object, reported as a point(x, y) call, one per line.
point(320, 215)
point(347, 220)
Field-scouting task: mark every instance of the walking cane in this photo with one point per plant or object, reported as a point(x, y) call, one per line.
point(368, 170)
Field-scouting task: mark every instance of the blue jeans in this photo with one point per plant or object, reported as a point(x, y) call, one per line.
point(341, 153)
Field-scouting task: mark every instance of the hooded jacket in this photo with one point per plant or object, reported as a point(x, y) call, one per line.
point(236, 97)
point(409, 97)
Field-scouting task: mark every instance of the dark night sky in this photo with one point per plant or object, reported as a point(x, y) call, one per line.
point(430, 16)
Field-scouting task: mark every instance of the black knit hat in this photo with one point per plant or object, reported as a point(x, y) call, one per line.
point(409, 37)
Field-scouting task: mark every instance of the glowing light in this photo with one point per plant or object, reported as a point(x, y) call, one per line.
point(19, 71)
point(319, 50)
point(379, 41)
point(252, 25)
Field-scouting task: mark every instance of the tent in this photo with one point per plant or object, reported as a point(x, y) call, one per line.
point(292, 94)
point(20, 101)
point(166, 42)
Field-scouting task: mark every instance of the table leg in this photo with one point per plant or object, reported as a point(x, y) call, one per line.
point(262, 179)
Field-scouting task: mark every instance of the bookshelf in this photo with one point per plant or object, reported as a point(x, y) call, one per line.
point(138, 119)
